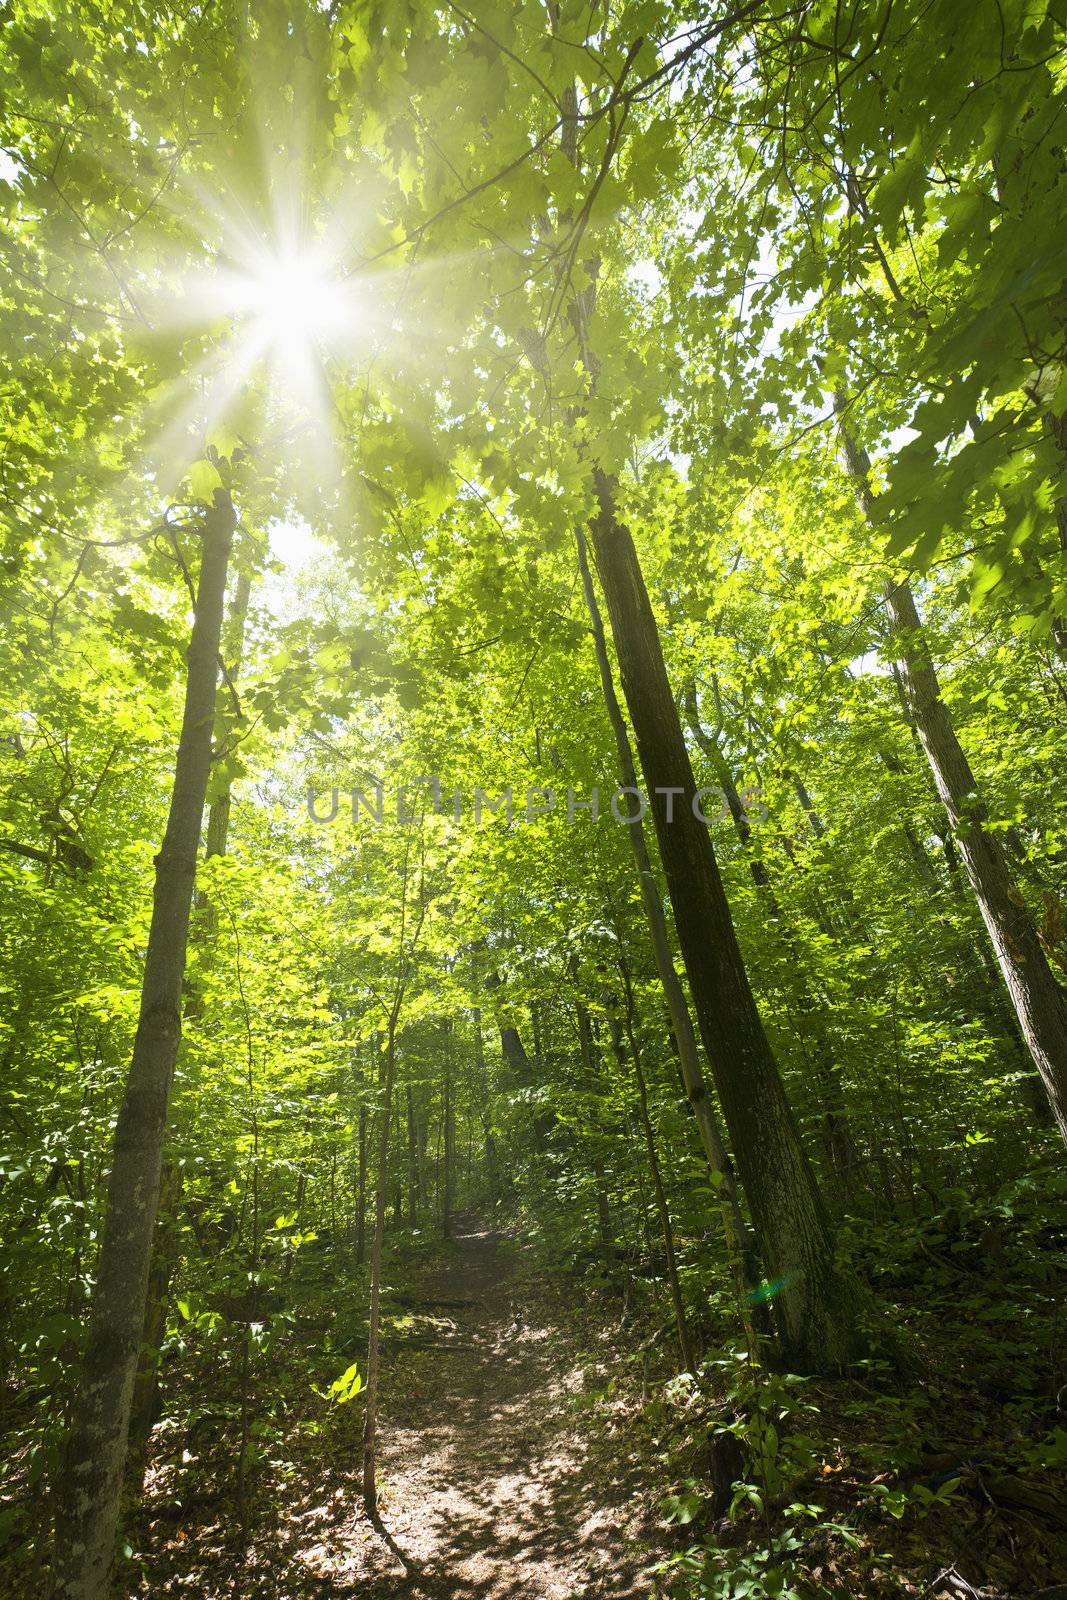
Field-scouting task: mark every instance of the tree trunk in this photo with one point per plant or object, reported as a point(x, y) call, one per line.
point(413, 1159)
point(1038, 999)
point(738, 1239)
point(144, 1406)
point(517, 1057)
point(91, 1488)
point(814, 1304)
point(449, 1141)
point(146, 1382)
point(361, 1191)
point(988, 997)
point(218, 815)
point(370, 1420)
point(807, 805)
point(587, 1049)
point(685, 1343)
point(492, 1164)
point(423, 1131)
point(924, 866)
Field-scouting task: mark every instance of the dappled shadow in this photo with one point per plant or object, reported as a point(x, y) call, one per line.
point(492, 1486)
point(487, 1487)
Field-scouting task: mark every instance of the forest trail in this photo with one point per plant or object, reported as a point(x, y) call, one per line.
point(490, 1488)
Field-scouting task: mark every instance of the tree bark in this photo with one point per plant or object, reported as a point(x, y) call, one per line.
point(492, 1163)
point(144, 1407)
point(91, 1487)
point(920, 856)
point(591, 1075)
point(738, 1238)
point(361, 1189)
point(146, 1382)
point(1039, 1002)
point(517, 1057)
point(218, 814)
point(814, 1304)
point(413, 1159)
point(448, 1140)
point(370, 1420)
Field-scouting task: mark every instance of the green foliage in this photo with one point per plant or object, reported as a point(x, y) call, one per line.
point(347, 1386)
point(648, 240)
point(711, 1572)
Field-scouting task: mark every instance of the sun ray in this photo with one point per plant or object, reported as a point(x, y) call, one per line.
point(188, 411)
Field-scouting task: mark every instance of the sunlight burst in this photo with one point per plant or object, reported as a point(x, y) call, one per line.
point(285, 314)
point(294, 296)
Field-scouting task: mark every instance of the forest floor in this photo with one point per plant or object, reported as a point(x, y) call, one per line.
point(496, 1480)
point(535, 1446)
point(490, 1488)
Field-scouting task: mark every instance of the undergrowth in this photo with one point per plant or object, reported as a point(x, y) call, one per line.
point(951, 1481)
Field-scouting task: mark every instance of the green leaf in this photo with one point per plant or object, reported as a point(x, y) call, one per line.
point(347, 1386)
point(204, 479)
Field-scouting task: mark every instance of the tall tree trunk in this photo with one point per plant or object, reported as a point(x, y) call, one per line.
point(738, 1238)
point(989, 997)
point(88, 1511)
point(1039, 1001)
point(423, 1130)
point(993, 1000)
point(361, 1190)
point(517, 1057)
point(146, 1383)
point(492, 1163)
point(218, 814)
point(448, 1141)
point(924, 866)
point(815, 1306)
point(413, 1159)
point(807, 805)
point(144, 1406)
point(591, 1075)
point(370, 1419)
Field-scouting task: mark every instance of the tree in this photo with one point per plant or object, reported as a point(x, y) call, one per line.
point(1039, 1000)
point(817, 1310)
point(96, 1453)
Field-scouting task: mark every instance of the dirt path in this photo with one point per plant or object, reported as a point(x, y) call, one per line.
point(490, 1487)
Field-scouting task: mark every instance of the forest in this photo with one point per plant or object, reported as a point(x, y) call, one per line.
point(533, 821)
